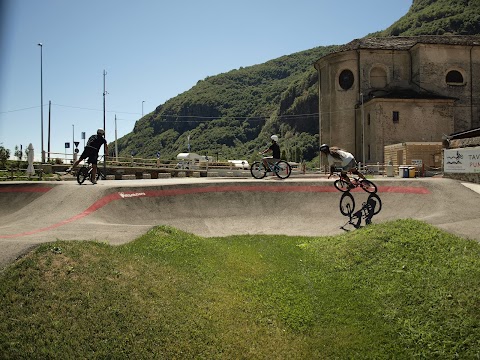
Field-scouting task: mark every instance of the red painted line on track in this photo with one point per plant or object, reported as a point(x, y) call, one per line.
point(24, 189)
point(403, 189)
point(94, 207)
point(208, 189)
point(279, 189)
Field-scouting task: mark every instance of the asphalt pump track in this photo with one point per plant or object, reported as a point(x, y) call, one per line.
point(120, 211)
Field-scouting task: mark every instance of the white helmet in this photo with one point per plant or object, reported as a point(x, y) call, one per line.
point(324, 148)
point(100, 132)
point(274, 138)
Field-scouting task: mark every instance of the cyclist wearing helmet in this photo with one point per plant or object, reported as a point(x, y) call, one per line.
point(92, 147)
point(274, 149)
point(340, 158)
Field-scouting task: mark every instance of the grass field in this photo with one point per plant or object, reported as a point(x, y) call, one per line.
point(398, 290)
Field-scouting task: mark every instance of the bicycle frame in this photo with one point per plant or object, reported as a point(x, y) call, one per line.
point(270, 167)
point(85, 172)
point(344, 185)
point(280, 168)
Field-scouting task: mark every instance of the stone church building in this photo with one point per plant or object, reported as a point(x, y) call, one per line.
point(375, 92)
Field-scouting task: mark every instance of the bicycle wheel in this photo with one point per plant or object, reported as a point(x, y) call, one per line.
point(82, 175)
point(282, 169)
point(368, 186)
point(341, 185)
point(257, 170)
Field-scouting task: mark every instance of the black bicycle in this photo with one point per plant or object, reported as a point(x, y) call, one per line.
point(85, 172)
point(281, 168)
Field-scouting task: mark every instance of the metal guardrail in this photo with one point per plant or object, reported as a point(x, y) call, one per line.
point(117, 164)
point(10, 175)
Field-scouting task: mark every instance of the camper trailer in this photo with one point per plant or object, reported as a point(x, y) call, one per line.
point(190, 161)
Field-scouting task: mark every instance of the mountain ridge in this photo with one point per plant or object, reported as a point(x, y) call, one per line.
point(234, 113)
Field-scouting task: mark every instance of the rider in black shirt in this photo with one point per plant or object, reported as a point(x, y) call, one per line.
point(274, 149)
point(92, 147)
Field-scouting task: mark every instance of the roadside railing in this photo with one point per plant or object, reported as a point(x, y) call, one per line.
point(20, 174)
point(120, 165)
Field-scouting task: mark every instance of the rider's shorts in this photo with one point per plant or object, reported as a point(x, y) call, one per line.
point(352, 164)
point(271, 160)
point(91, 154)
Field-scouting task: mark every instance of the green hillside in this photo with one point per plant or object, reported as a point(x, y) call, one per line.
point(438, 17)
point(234, 113)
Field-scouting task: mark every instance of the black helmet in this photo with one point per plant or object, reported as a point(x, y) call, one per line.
point(324, 148)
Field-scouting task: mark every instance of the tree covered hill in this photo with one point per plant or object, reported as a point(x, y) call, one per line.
point(438, 17)
point(234, 113)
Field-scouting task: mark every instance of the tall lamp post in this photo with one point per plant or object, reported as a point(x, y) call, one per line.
point(41, 98)
point(142, 106)
point(363, 132)
point(104, 127)
point(116, 146)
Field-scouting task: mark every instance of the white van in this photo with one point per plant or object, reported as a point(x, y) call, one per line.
point(190, 161)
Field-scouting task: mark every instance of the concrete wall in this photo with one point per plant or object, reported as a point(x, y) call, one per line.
point(419, 120)
point(473, 178)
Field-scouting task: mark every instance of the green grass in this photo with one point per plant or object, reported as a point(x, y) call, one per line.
point(399, 290)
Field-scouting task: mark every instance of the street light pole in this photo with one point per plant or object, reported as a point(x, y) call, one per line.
point(363, 132)
point(104, 124)
point(142, 106)
point(104, 93)
point(73, 143)
point(116, 146)
point(41, 98)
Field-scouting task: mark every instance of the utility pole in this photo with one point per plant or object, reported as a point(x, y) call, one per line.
point(41, 98)
point(116, 146)
point(104, 94)
point(49, 116)
point(104, 123)
point(73, 142)
point(363, 132)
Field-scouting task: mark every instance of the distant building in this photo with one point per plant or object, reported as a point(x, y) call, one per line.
point(376, 92)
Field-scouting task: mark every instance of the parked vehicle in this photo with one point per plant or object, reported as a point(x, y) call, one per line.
point(190, 161)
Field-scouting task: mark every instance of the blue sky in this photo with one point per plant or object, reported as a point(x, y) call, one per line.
point(152, 50)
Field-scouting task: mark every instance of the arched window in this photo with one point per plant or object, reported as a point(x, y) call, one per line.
point(345, 80)
point(454, 77)
point(378, 77)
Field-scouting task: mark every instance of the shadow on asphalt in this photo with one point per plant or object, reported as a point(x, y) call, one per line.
point(362, 216)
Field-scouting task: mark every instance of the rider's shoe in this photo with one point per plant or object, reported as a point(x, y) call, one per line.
point(351, 186)
point(68, 171)
point(94, 182)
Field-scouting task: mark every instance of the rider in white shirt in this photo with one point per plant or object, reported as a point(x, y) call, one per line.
point(340, 158)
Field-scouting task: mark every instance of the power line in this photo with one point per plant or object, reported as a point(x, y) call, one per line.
point(110, 111)
point(167, 115)
point(199, 117)
point(195, 118)
point(16, 110)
